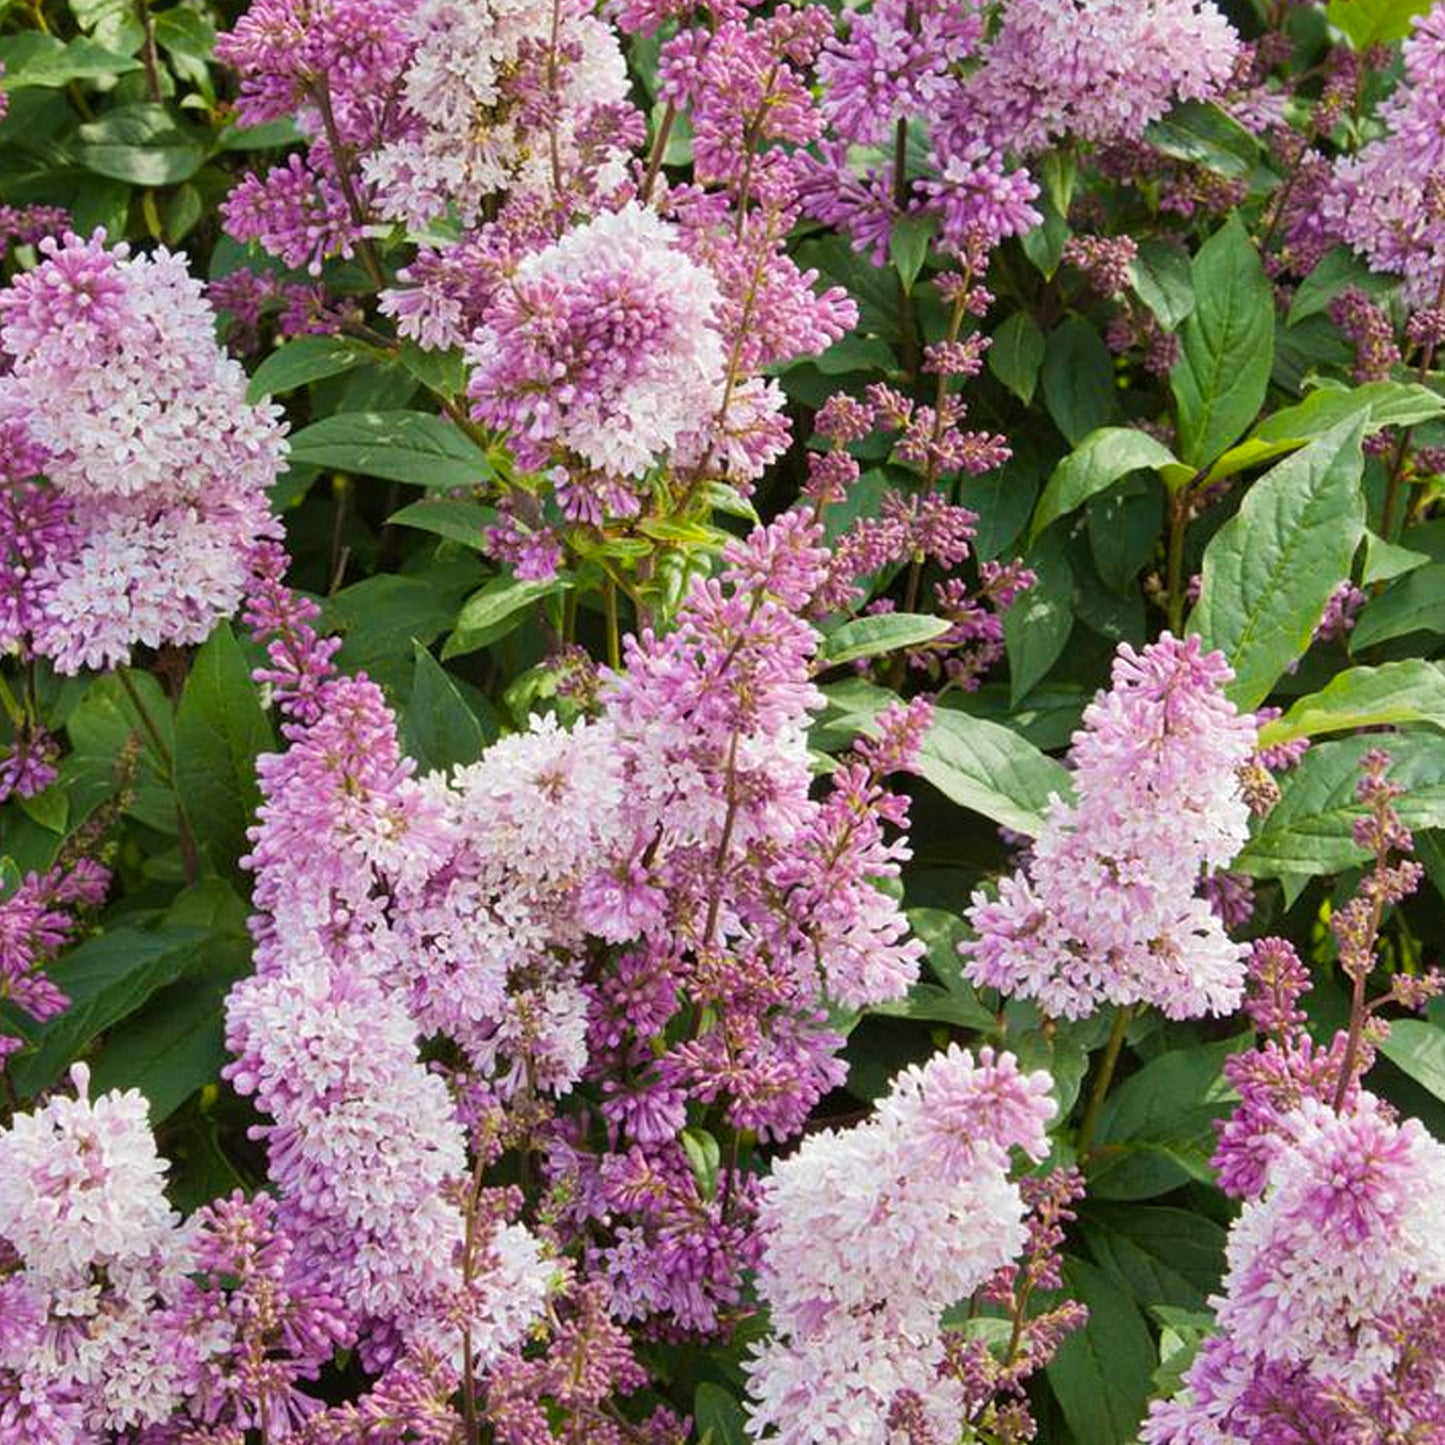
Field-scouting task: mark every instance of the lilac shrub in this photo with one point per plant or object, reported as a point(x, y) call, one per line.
point(772, 771)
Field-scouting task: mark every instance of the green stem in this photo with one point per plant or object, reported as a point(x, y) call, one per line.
point(341, 159)
point(147, 722)
point(659, 149)
point(1112, 1050)
point(8, 702)
point(1174, 590)
point(150, 57)
point(614, 630)
point(907, 324)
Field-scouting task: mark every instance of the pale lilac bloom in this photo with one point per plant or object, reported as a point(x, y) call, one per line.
point(1108, 907)
point(871, 1233)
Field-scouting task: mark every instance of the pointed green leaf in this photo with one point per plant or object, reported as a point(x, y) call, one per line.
point(873, 636)
point(1016, 354)
point(1270, 570)
point(303, 360)
point(991, 770)
point(220, 730)
point(1412, 691)
point(401, 446)
point(1095, 465)
point(1226, 346)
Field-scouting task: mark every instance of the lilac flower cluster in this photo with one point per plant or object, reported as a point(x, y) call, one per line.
point(1096, 70)
point(1107, 907)
point(1083, 71)
point(1332, 1304)
point(677, 829)
point(117, 1320)
point(1334, 1295)
point(155, 468)
point(1388, 202)
point(604, 348)
point(871, 1233)
point(498, 98)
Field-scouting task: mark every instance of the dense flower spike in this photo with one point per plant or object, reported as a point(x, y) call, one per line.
point(1107, 909)
point(118, 394)
point(1331, 1302)
point(1388, 202)
point(499, 97)
point(866, 1245)
point(677, 825)
point(83, 1348)
point(1095, 70)
point(36, 921)
point(603, 347)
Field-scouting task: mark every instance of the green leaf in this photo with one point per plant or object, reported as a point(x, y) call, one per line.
point(450, 517)
point(1164, 281)
point(1414, 604)
point(1078, 377)
point(187, 33)
point(1156, 1131)
point(908, 245)
point(306, 359)
point(1202, 134)
point(991, 770)
point(718, 1416)
point(1095, 465)
point(1102, 1373)
point(1004, 497)
point(1226, 345)
point(401, 446)
point(176, 1045)
point(1016, 354)
point(141, 144)
point(940, 933)
point(1412, 691)
point(31, 59)
point(1382, 404)
point(1375, 22)
point(1162, 1256)
point(493, 611)
point(438, 729)
point(1058, 171)
point(441, 372)
point(1036, 628)
point(220, 731)
point(107, 979)
point(873, 636)
point(1310, 830)
point(1044, 245)
point(928, 1003)
point(1418, 1048)
point(1385, 561)
point(704, 1159)
point(1270, 570)
point(857, 353)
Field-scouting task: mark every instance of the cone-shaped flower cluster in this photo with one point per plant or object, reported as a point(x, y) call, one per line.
point(157, 466)
point(1106, 909)
point(871, 1233)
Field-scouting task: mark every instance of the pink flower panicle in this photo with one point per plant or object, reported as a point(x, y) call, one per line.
point(866, 1244)
point(1388, 201)
point(157, 466)
point(1107, 909)
point(1332, 1299)
point(603, 347)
